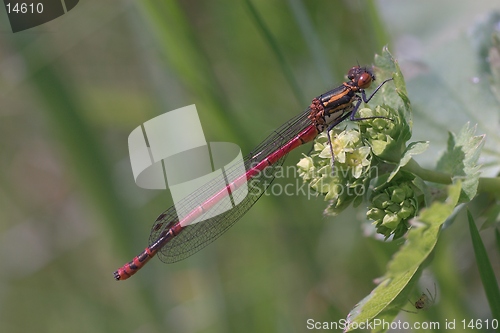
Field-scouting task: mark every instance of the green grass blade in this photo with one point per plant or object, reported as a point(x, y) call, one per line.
point(485, 270)
point(80, 145)
point(317, 50)
point(497, 238)
point(86, 159)
point(287, 71)
point(180, 43)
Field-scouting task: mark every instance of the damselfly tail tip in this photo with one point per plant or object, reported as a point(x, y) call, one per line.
point(116, 275)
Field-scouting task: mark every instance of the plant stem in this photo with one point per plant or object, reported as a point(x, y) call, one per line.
point(489, 185)
point(428, 175)
point(486, 184)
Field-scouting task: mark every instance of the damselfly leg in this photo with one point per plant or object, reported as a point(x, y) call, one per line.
point(352, 116)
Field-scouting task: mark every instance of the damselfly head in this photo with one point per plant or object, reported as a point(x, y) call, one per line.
point(361, 77)
point(353, 72)
point(364, 80)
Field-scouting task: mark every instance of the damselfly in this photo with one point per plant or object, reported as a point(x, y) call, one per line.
point(173, 239)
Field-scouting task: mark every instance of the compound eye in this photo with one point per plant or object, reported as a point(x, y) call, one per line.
point(364, 80)
point(352, 73)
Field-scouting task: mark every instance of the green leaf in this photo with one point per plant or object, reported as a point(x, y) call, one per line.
point(486, 42)
point(494, 58)
point(492, 216)
point(497, 238)
point(449, 90)
point(460, 160)
point(385, 67)
point(403, 271)
point(485, 270)
point(388, 138)
point(393, 291)
point(422, 186)
point(413, 149)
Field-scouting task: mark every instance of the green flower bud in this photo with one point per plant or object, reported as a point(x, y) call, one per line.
point(381, 201)
point(406, 211)
point(387, 136)
point(398, 195)
point(375, 214)
point(391, 221)
point(392, 205)
point(392, 208)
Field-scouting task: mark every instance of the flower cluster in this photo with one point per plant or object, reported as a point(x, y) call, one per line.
point(346, 181)
point(388, 135)
point(391, 206)
point(364, 157)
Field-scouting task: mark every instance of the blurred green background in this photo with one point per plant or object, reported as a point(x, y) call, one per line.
point(73, 89)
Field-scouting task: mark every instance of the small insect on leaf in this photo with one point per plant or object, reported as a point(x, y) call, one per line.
point(424, 302)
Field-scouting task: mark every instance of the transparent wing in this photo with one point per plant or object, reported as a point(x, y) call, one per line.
point(194, 237)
